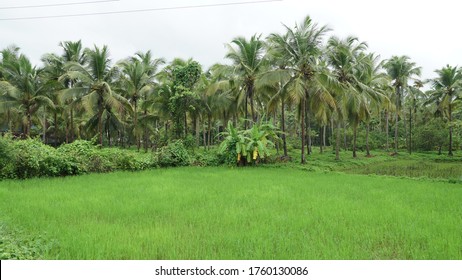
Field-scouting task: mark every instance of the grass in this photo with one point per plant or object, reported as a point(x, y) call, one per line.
point(246, 213)
point(413, 168)
point(417, 165)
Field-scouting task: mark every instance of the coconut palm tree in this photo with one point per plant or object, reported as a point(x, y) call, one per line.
point(274, 84)
point(414, 97)
point(53, 69)
point(72, 52)
point(345, 57)
point(372, 84)
point(11, 114)
point(218, 95)
point(447, 93)
point(400, 70)
point(93, 87)
point(307, 77)
point(151, 64)
point(247, 56)
point(138, 82)
point(22, 87)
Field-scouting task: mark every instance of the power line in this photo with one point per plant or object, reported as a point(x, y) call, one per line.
point(57, 5)
point(141, 10)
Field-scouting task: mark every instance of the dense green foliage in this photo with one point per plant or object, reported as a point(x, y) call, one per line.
point(319, 90)
point(174, 154)
point(21, 245)
point(250, 145)
point(31, 158)
point(282, 97)
point(223, 213)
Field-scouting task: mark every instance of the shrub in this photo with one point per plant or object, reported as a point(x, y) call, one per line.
point(18, 245)
point(6, 165)
point(32, 158)
point(82, 154)
point(207, 158)
point(174, 154)
point(130, 161)
point(190, 142)
point(430, 136)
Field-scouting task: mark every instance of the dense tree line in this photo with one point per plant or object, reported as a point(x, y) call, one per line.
point(317, 90)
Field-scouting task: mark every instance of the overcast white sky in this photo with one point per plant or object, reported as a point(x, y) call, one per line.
point(427, 31)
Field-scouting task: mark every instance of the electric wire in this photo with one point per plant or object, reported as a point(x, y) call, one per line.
point(140, 10)
point(57, 5)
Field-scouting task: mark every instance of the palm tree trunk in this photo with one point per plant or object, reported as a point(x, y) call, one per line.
point(277, 144)
point(302, 125)
point(397, 118)
point(410, 130)
point(368, 152)
point(196, 127)
point(308, 130)
point(29, 122)
point(345, 136)
point(209, 140)
point(337, 145)
point(450, 129)
point(145, 133)
point(204, 138)
point(146, 140)
point(226, 118)
point(10, 124)
point(108, 132)
point(387, 123)
point(324, 132)
point(332, 133)
point(283, 127)
point(66, 129)
point(44, 139)
point(56, 129)
point(135, 124)
point(252, 110)
point(72, 125)
point(100, 127)
point(246, 114)
point(320, 139)
point(406, 132)
point(355, 134)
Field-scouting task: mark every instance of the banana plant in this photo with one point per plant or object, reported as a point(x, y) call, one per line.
point(234, 143)
point(248, 145)
point(259, 144)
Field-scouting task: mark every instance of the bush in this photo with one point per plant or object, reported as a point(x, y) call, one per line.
point(84, 155)
point(431, 136)
point(31, 158)
point(91, 158)
point(130, 161)
point(6, 158)
point(208, 158)
point(174, 154)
